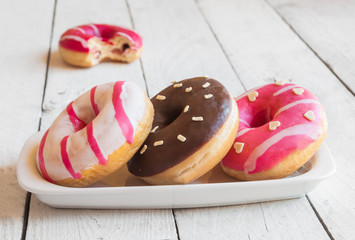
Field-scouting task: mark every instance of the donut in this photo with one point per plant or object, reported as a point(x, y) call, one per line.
point(95, 135)
point(281, 127)
point(195, 123)
point(87, 45)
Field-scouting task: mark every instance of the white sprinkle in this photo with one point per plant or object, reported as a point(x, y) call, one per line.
point(188, 89)
point(206, 76)
point(309, 115)
point(143, 149)
point(298, 91)
point(208, 96)
point(177, 85)
point(158, 143)
point(206, 85)
point(197, 119)
point(173, 82)
point(161, 97)
point(186, 108)
point(280, 83)
point(252, 96)
point(154, 129)
point(274, 125)
point(181, 138)
point(238, 146)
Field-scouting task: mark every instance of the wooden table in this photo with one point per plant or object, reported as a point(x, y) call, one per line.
point(242, 43)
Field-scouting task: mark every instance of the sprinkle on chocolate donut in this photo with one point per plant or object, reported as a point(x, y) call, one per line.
point(185, 120)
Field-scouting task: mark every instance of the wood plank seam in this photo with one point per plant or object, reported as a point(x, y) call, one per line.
point(309, 47)
point(219, 43)
point(330, 235)
point(29, 195)
point(176, 225)
point(140, 59)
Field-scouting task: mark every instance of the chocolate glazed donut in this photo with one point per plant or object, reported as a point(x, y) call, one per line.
point(196, 121)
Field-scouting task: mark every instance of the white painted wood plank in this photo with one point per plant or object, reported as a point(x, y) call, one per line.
point(179, 44)
point(270, 220)
point(328, 28)
point(64, 84)
point(22, 74)
point(262, 46)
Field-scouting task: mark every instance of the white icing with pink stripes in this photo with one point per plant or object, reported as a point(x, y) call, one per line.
point(263, 148)
point(90, 129)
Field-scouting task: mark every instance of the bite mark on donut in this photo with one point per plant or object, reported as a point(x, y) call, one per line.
point(197, 119)
point(161, 97)
point(158, 143)
point(188, 89)
point(252, 96)
point(273, 125)
point(238, 146)
point(144, 148)
point(207, 96)
point(181, 138)
point(154, 129)
point(309, 115)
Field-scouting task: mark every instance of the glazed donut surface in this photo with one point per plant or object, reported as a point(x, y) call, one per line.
point(95, 134)
point(87, 45)
point(195, 124)
point(281, 127)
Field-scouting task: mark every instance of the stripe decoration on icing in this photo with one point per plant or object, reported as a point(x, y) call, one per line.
point(77, 123)
point(265, 148)
point(41, 163)
point(120, 114)
point(65, 158)
point(93, 144)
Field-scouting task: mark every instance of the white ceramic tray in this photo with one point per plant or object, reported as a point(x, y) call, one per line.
point(123, 190)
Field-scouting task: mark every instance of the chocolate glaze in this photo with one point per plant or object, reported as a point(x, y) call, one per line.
point(172, 121)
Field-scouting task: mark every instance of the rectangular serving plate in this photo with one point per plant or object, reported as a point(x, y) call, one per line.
point(121, 190)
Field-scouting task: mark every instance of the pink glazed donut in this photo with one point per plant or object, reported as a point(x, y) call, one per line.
point(87, 45)
point(95, 135)
point(280, 127)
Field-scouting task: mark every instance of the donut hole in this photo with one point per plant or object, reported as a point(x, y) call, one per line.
point(169, 117)
point(261, 118)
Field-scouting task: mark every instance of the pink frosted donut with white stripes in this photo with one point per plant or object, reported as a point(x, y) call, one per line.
point(95, 135)
point(87, 45)
point(281, 125)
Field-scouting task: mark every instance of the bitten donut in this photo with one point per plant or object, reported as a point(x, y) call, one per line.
point(281, 127)
point(95, 135)
point(196, 121)
point(87, 45)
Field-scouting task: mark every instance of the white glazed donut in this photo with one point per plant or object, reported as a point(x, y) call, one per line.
point(95, 135)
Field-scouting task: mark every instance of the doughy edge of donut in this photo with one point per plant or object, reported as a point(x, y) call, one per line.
point(119, 157)
point(204, 159)
point(88, 59)
point(287, 166)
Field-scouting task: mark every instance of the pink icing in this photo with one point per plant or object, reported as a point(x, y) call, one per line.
point(93, 144)
point(77, 38)
point(263, 148)
point(92, 100)
point(120, 114)
point(65, 158)
point(77, 123)
point(41, 163)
